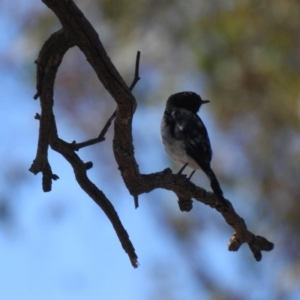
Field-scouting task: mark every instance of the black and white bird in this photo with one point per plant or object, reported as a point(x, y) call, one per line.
point(185, 137)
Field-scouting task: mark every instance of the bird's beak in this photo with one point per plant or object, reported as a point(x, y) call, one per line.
point(204, 101)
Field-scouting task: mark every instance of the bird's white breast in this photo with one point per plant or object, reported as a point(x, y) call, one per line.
point(175, 148)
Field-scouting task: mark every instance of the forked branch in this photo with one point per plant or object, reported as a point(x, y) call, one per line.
point(78, 31)
point(48, 62)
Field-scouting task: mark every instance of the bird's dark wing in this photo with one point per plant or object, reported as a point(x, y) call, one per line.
point(191, 128)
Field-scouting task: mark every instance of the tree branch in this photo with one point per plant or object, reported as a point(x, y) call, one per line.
point(78, 31)
point(48, 62)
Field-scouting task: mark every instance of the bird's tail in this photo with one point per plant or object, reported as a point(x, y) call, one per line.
point(214, 183)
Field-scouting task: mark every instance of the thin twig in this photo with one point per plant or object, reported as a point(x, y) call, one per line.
point(136, 73)
point(77, 146)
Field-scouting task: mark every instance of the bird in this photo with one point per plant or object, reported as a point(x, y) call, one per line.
point(185, 137)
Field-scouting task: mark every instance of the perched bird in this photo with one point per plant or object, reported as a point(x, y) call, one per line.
point(185, 137)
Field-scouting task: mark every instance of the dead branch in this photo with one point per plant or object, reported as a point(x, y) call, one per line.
point(78, 31)
point(48, 62)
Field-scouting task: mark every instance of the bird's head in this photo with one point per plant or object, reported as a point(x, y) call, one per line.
point(187, 100)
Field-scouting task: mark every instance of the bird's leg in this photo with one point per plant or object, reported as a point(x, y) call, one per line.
point(180, 171)
point(191, 175)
